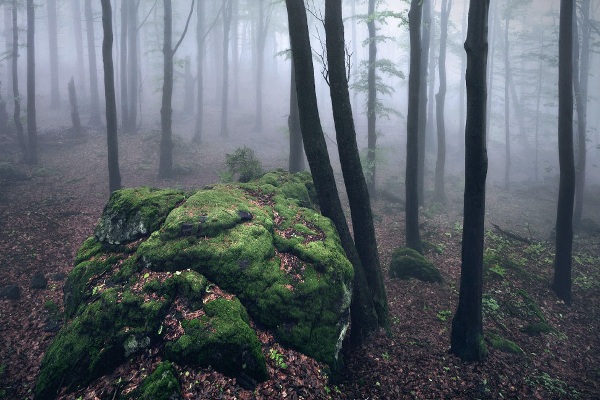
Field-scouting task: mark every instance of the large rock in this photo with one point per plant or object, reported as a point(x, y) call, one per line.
point(189, 281)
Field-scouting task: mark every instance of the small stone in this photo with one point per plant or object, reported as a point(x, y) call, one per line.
point(59, 276)
point(245, 215)
point(39, 281)
point(186, 229)
point(12, 292)
point(52, 326)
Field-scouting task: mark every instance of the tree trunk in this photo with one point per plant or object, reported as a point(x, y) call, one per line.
point(413, 237)
point(296, 161)
point(91, 44)
point(114, 176)
point(364, 318)
point(200, 37)
point(354, 179)
point(234, 53)
point(134, 75)
point(53, 46)
point(8, 34)
point(440, 102)
point(371, 102)
point(31, 115)
point(15, 81)
point(165, 168)
point(261, 37)
point(463, 67)
point(354, 51)
point(78, 32)
point(538, 103)
point(566, 190)
point(124, 52)
point(581, 96)
point(466, 339)
point(422, 112)
point(506, 107)
point(74, 109)
point(225, 90)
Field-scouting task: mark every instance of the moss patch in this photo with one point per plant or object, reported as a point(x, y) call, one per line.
point(537, 328)
point(162, 384)
point(502, 344)
point(407, 263)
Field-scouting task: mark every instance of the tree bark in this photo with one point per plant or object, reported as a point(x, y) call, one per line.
point(566, 190)
point(371, 102)
point(466, 339)
point(200, 37)
point(95, 119)
point(15, 81)
point(506, 106)
point(364, 318)
point(53, 46)
point(8, 34)
point(125, 4)
point(440, 101)
point(165, 168)
point(31, 114)
point(134, 75)
point(425, 41)
point(114, 176)
point(261, 37)
point(78, 32)
point(77, 130)
point(354, 179)
point(413, 237)
point(225, 89)
point(296, 160)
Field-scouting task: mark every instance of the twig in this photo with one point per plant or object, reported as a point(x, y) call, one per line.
point(512, 235)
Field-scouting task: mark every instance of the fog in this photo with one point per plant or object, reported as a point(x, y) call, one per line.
point(533, 44)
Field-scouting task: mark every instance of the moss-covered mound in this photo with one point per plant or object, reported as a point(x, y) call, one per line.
point(407, 263)
point(502, 344)
point(183, 275)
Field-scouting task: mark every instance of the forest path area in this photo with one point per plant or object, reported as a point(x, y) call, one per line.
point(49, 210)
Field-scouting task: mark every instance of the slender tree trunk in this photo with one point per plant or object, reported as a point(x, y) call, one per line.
point(261, 36)
point(463, 67)
point(165, 168)
point(234, 52)
point(354, 179)
point(506, 106)
point(225, 93)
point(413, 237)
point(200, 38)
point(15, 81)
point(371, 102)
point(538, 102)
point(296, 161)
point(8, 35)
point(114, 176)
point(466, 339)
point(125, 4)
point(581, 96)
point(440, 101)
point(134, 73)
point(354, 51)
point(91, 45)
point(493, 33)
point(364, 318)
point(430, 127)
point(422, 112)
point(77, 130)
point(31, 115)
point(53, 45)
point(78, 33)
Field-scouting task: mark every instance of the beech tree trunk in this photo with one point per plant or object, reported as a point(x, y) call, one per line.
point(506, 107)
point(74, 109)
point(296, 160)
point(225, 89)
point(371, 102)
point(363, 315)
point(78, 32)
point(31, 114)
point(165, 168)
point(566, 190)
point(200, 37)
point(134, 75)
point(466, 339)
point(124, 52)
point(53, 46)
point(261, 37)
point(95, 119)
point(15, 81)
point(424, 41)
point(413, 237)
point(354, 179)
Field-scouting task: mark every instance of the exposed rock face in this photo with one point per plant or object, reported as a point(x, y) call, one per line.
point(187, 273)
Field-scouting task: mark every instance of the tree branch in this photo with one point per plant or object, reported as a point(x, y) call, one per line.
point(187, 24)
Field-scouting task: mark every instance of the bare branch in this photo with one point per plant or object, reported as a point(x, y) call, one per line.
point(187, 24)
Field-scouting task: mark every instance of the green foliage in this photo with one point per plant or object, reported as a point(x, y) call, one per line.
point(278, 358)
point(443, 315)
point(51, 307)
point(162, 384)
point(553, 385)
point(537, 328)
point(502, 344)
point(244, 164)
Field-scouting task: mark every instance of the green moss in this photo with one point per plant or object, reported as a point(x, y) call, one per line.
point(538, 328)
point(407, 263)
point(223, 340)
point(88, 249)
point(502, 344)
point(162, 384)
point(51, 307)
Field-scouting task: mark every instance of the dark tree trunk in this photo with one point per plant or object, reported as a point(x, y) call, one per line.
point(296, 161)
point(225, 89)
point(581, 78)
point(566, 191)
point(413, 237)
point(114, 176)
point(440, 102)
point(15, 81)
point(354, 179)
point(53, 46)
point(463, 67)
point(8, 34)
point(78, 32)
point(371, 102)
point(424, 41)
point(364, 318)
point(77, 130)
point(133, 66)
point(354, 50)
point(31, 115)
point(466, 339)
point(124, 52)
point(200, 37)
point(261, 37)
point(91, 45)
point(165, 168)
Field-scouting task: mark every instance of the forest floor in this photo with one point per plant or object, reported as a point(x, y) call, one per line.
point(47, 213)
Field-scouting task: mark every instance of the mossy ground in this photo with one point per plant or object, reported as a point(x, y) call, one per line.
point(184, 282)
point(407, 263)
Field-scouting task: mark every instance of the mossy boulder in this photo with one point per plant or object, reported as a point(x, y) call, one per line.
point(162, 384)
point(407, 263)
point(502, 344)
point(190, 286)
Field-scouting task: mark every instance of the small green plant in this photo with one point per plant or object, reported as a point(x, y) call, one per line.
point(443, 315)
point(278, 358)
point(386, 356)
point(244, 164)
